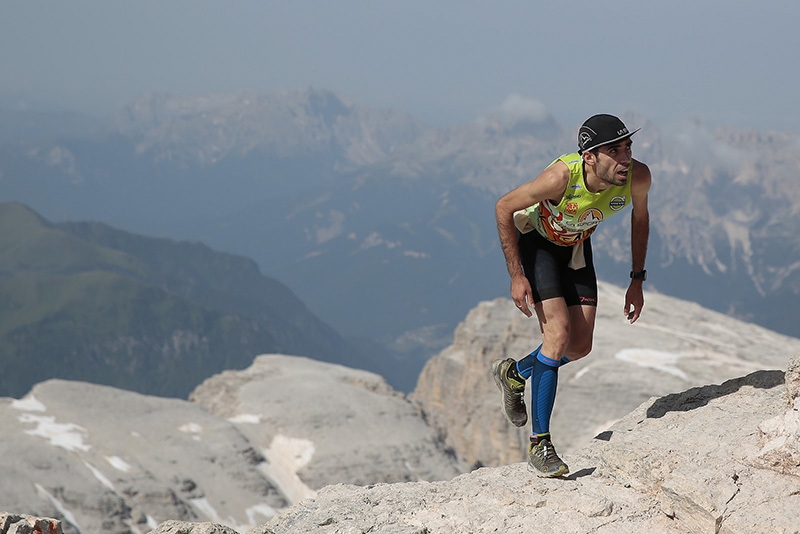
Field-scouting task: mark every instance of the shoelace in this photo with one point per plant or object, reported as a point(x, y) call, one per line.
point(545, 453)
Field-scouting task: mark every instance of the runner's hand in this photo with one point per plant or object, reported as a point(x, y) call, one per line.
point(521, 294)
point(634, 301)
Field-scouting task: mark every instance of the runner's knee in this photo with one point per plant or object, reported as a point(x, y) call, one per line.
point(556, 340)
point(578, 348)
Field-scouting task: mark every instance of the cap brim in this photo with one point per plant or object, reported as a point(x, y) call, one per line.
point(604, 143)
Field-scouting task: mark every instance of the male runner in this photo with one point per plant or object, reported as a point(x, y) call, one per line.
point(544, 228)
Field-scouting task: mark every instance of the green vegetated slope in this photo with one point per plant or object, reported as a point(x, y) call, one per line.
point(84, 301)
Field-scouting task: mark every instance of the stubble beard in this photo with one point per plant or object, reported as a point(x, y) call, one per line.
point(609, 176)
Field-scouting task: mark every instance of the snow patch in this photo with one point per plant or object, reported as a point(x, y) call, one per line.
point(205, 508)
point(191, 428)
point(285, 457)
point(336, 220)
point(415, 254)
point(68, 516)
point(29, 404)
point(666, 362)
point(374, 240)
point(99, 476)
point(248, 418)
point(581, 372)
point(716, 340)
point(65, 435)
point(151, 522)
point(312, 254)
point(261, 509)
point(118, 463)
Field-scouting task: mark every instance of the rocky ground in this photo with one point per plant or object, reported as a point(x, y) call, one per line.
point(297, 445)
point(718, 459)
point(721, 459)
point(674, 346)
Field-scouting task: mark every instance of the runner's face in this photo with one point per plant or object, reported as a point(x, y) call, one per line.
point(614, 161)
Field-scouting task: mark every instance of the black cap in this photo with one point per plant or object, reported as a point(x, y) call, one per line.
point(600, 130)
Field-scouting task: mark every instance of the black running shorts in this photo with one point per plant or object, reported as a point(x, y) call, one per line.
point(546, 267)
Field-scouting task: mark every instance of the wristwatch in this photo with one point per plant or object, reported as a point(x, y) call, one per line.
point(641, 275)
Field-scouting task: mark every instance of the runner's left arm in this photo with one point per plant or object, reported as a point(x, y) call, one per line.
point(640, 232)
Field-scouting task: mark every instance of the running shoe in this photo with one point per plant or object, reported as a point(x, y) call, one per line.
point(544, 461)
point(512, 392)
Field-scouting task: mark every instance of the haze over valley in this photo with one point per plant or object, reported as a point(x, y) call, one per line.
point(384, 227)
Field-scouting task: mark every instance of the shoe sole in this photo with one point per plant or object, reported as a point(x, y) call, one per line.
point(562, 471)
point(499, 385)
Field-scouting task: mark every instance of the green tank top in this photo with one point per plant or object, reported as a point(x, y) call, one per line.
point(579, 212)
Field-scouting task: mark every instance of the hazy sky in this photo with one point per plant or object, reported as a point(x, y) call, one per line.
point(727, 62)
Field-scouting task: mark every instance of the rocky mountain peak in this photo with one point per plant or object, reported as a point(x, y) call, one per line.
point(673, 346)
point(204, 129)
point(710, 459)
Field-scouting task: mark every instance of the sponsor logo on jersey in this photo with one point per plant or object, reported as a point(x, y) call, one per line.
point(590, 217)
point(571, 208)
point(617, 203)
point(575, 186)
point(573, 196)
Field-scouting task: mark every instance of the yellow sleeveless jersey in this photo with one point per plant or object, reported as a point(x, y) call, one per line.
point(579, 212)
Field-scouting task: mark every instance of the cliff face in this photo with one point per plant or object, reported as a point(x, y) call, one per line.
point(720, 458)
point(675, 345)
point(352, 425)
point(106, 460)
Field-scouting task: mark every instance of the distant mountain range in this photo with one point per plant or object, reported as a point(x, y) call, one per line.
point(85, 301)
point(384, 227)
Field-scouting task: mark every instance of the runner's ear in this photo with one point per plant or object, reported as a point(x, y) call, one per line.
point(589, 157)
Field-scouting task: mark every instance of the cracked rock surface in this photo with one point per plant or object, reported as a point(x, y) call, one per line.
point(695, 461)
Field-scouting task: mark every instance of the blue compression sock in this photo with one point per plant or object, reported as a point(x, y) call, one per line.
point(543, 392)
point(525, 365)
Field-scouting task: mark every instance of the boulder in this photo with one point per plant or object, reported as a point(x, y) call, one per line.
point(181, 527)
point(26, 524)
point(319, 424)
point(675, 345)
point(684, 462)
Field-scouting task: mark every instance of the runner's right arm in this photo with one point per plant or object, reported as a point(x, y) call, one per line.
point(550, 184)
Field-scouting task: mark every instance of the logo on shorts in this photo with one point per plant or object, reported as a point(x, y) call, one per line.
point(617, 203)
point(571, 208)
